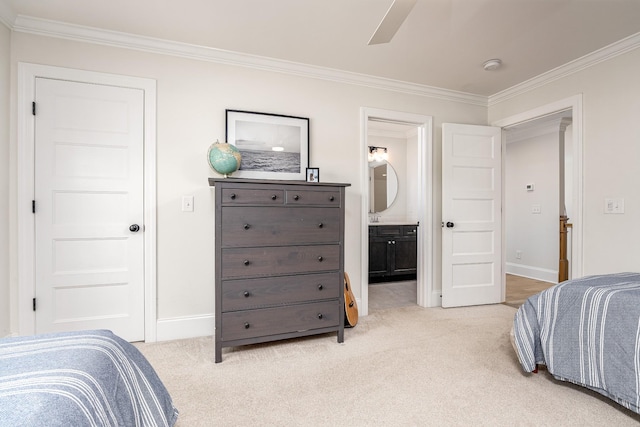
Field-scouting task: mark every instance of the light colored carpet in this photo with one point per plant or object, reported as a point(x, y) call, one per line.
point(406, 366)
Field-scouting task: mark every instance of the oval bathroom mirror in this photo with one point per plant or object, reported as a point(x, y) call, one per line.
point(384, 186)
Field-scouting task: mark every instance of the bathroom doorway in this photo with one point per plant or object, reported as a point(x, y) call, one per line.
point(397, 210)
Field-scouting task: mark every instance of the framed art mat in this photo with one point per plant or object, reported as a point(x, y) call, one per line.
point(272, 146)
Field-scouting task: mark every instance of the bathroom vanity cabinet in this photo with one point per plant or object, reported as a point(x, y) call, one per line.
point(392, 252)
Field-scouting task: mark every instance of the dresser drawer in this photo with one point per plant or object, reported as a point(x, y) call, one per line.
point(243, 294)
point(311, 197)
point(264, 226)
point(278, 320)
point(277, 260)
point(252, 196)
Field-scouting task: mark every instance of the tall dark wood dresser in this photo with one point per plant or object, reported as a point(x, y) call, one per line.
point(279, 260)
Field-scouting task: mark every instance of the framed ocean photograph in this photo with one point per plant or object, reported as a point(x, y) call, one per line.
point(272, 146)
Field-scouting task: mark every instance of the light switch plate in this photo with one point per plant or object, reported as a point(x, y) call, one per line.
point(613, 206)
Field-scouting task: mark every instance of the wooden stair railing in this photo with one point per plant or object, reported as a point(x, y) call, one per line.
point(563, 268)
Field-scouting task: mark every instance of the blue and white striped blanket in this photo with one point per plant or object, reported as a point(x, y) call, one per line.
point(87, 378)
point(586, 331)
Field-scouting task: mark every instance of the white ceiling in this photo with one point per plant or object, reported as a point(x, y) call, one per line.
point(443, 43)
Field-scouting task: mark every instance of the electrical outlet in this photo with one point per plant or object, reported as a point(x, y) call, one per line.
point(536, 209)
point(187, 203)
point(518, 254)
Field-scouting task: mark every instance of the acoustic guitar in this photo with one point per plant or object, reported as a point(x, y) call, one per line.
point(350, 306)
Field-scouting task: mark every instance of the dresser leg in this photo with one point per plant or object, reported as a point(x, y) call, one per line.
point(218, 354)
point(341, 335)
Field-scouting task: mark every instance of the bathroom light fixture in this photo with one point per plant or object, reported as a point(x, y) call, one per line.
point(377, 154)
point(492, 64)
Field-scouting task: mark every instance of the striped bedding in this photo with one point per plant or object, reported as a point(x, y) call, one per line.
point(86, 378)
point(586, 331)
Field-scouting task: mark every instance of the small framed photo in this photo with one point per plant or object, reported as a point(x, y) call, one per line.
point(313, 175)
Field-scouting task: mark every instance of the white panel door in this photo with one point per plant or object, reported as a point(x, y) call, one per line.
point(89, 200)
point(471, 215)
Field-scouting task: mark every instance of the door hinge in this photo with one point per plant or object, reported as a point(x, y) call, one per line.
point(33, 206)
point(33, 108)
point(34, 304)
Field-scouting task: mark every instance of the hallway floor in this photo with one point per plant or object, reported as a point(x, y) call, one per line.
point(387, 295)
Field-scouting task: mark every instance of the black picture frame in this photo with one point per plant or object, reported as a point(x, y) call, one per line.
point(313, 175)
point(272, 146)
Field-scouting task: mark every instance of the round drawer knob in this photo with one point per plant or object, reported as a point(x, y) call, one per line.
point(246, 294)
point(247, 325)
point(320, 316)
point(246, 262)
point(320, 225)
point(274, 197)
point(246, 226)
point(320, 259)
point(320, 287)
point(296, 197)
point(331, 198)
point(233, 196)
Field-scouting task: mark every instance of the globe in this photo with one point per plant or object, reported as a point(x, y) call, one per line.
point(224, 158)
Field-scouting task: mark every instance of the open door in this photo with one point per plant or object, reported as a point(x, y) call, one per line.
point(471, 215)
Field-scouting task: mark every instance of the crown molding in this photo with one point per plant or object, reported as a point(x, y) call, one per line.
point(553, 124)
point(7, 16)
point(608, 52)
point(31, 25)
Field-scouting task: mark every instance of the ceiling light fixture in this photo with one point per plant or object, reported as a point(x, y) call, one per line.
point(377, 154)
point(492, 64)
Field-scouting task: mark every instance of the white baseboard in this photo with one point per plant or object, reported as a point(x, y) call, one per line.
point(185, 327)
point(530, 272)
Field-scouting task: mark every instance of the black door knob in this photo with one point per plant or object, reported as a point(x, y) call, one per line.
point(134, 228)
point(450, 224)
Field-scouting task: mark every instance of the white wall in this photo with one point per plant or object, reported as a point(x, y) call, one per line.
point(192, 97)
point(611, 154)
point(5, 55)
point(412, 174)
point(533, 160)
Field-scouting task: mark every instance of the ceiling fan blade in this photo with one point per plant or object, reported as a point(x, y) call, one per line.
point(395, 16)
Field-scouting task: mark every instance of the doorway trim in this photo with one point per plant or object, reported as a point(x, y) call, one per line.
point(573, 103)
point(27, 73)
point(426, 230)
